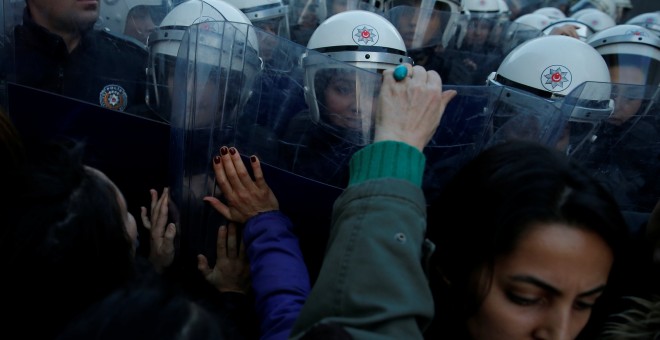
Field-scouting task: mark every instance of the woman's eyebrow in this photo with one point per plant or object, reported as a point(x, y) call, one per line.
point(548, 287)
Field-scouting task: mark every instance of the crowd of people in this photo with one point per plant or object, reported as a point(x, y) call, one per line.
point(330, 169)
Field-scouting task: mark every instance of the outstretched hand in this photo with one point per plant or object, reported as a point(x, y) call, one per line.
point(231, 272)
point(161, 253)
point(245, 197)
point(410, 110)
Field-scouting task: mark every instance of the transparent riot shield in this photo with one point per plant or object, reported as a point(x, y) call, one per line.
point(480, 117)
point(225, 95)
point(522, 7)
point(463, 49)
point(623, 150)
point(306, 15)
point(131, 150)
point(101, 68)
point(132, 19)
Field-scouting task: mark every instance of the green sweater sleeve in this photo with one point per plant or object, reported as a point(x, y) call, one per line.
point(387, 159)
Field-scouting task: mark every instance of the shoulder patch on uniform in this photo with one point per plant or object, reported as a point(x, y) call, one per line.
point(113, 97)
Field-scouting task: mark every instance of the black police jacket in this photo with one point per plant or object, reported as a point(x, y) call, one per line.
point(103, 69)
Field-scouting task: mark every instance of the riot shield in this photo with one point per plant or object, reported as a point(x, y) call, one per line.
point(623, 150)
point(463, 49)
point(306, 15)
point(132, 19)
point(130, 150)
point(480, 117)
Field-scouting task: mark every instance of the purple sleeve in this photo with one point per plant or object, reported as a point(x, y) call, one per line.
point(279, 276)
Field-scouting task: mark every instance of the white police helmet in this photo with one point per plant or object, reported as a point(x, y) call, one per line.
point(649, 20)
point(542, 66)
point(595, 18)
point(486, 8)
point(584, 31)
point(113, 14)
point(164, 44)
point(630, 45)
point(269, 15)
point(606, 6)
point(535, 20)
point(359, 38)
point(454, 6)
point(553, 13)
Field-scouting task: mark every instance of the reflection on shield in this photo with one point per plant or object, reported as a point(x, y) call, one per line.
point(623, 150)
point(483, 116)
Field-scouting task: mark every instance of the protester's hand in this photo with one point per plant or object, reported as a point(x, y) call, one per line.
point(231, 272)
point(161, 253)
point(245, 197)
point(410, 110)
point(567, 30)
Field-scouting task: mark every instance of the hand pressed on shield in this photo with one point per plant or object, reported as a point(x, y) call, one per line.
point(231, 272)
point(161, 253)
point(409, 110)
point(245, 197)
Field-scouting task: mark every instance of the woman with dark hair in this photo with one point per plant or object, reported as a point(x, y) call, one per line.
point(538, 259)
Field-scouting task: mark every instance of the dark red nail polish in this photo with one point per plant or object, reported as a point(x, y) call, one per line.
point(253, 159)
point(217, 159)
point(232, 150)
point(223, 150)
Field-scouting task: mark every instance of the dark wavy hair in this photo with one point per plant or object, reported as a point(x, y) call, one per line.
point(67, 245)
point(491, 203)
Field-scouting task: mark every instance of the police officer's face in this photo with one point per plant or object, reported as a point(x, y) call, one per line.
point(348, 101)
point(626, 104)
point(64, 15)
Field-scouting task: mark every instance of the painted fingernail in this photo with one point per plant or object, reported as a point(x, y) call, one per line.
point(232, 150)
point(253, 159)
point(223, 150)
point(217, 159)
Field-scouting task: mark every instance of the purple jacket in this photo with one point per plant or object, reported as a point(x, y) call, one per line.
point(279, 276)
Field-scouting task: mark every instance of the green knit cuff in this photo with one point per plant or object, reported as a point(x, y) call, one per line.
point(387, 159)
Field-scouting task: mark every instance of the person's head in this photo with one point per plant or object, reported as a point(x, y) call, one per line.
point(164, 44)
point(132, 18)
point(543, 67)
point(535, 20)
point(493, 9)
point(526, 244)
point(609, 7)
point(72, 229)
point(361, 45)
point(553, 13)
point(583, 30)
point(64, 16)
point(649, 21)
point(271, 16)
point(148, 308)
point(596, 19)
point(422, 23)
point(632, 54)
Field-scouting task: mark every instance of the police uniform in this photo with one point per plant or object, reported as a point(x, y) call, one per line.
point(103, 69)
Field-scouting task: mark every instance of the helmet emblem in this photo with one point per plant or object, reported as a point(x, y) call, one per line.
point(365, 35)
point(113, 97)
point(554, 78)
point(636, 33)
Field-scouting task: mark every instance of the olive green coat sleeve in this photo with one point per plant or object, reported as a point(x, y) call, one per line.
point(372, 282)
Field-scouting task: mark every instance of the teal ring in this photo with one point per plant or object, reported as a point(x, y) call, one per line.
point(400, 72)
